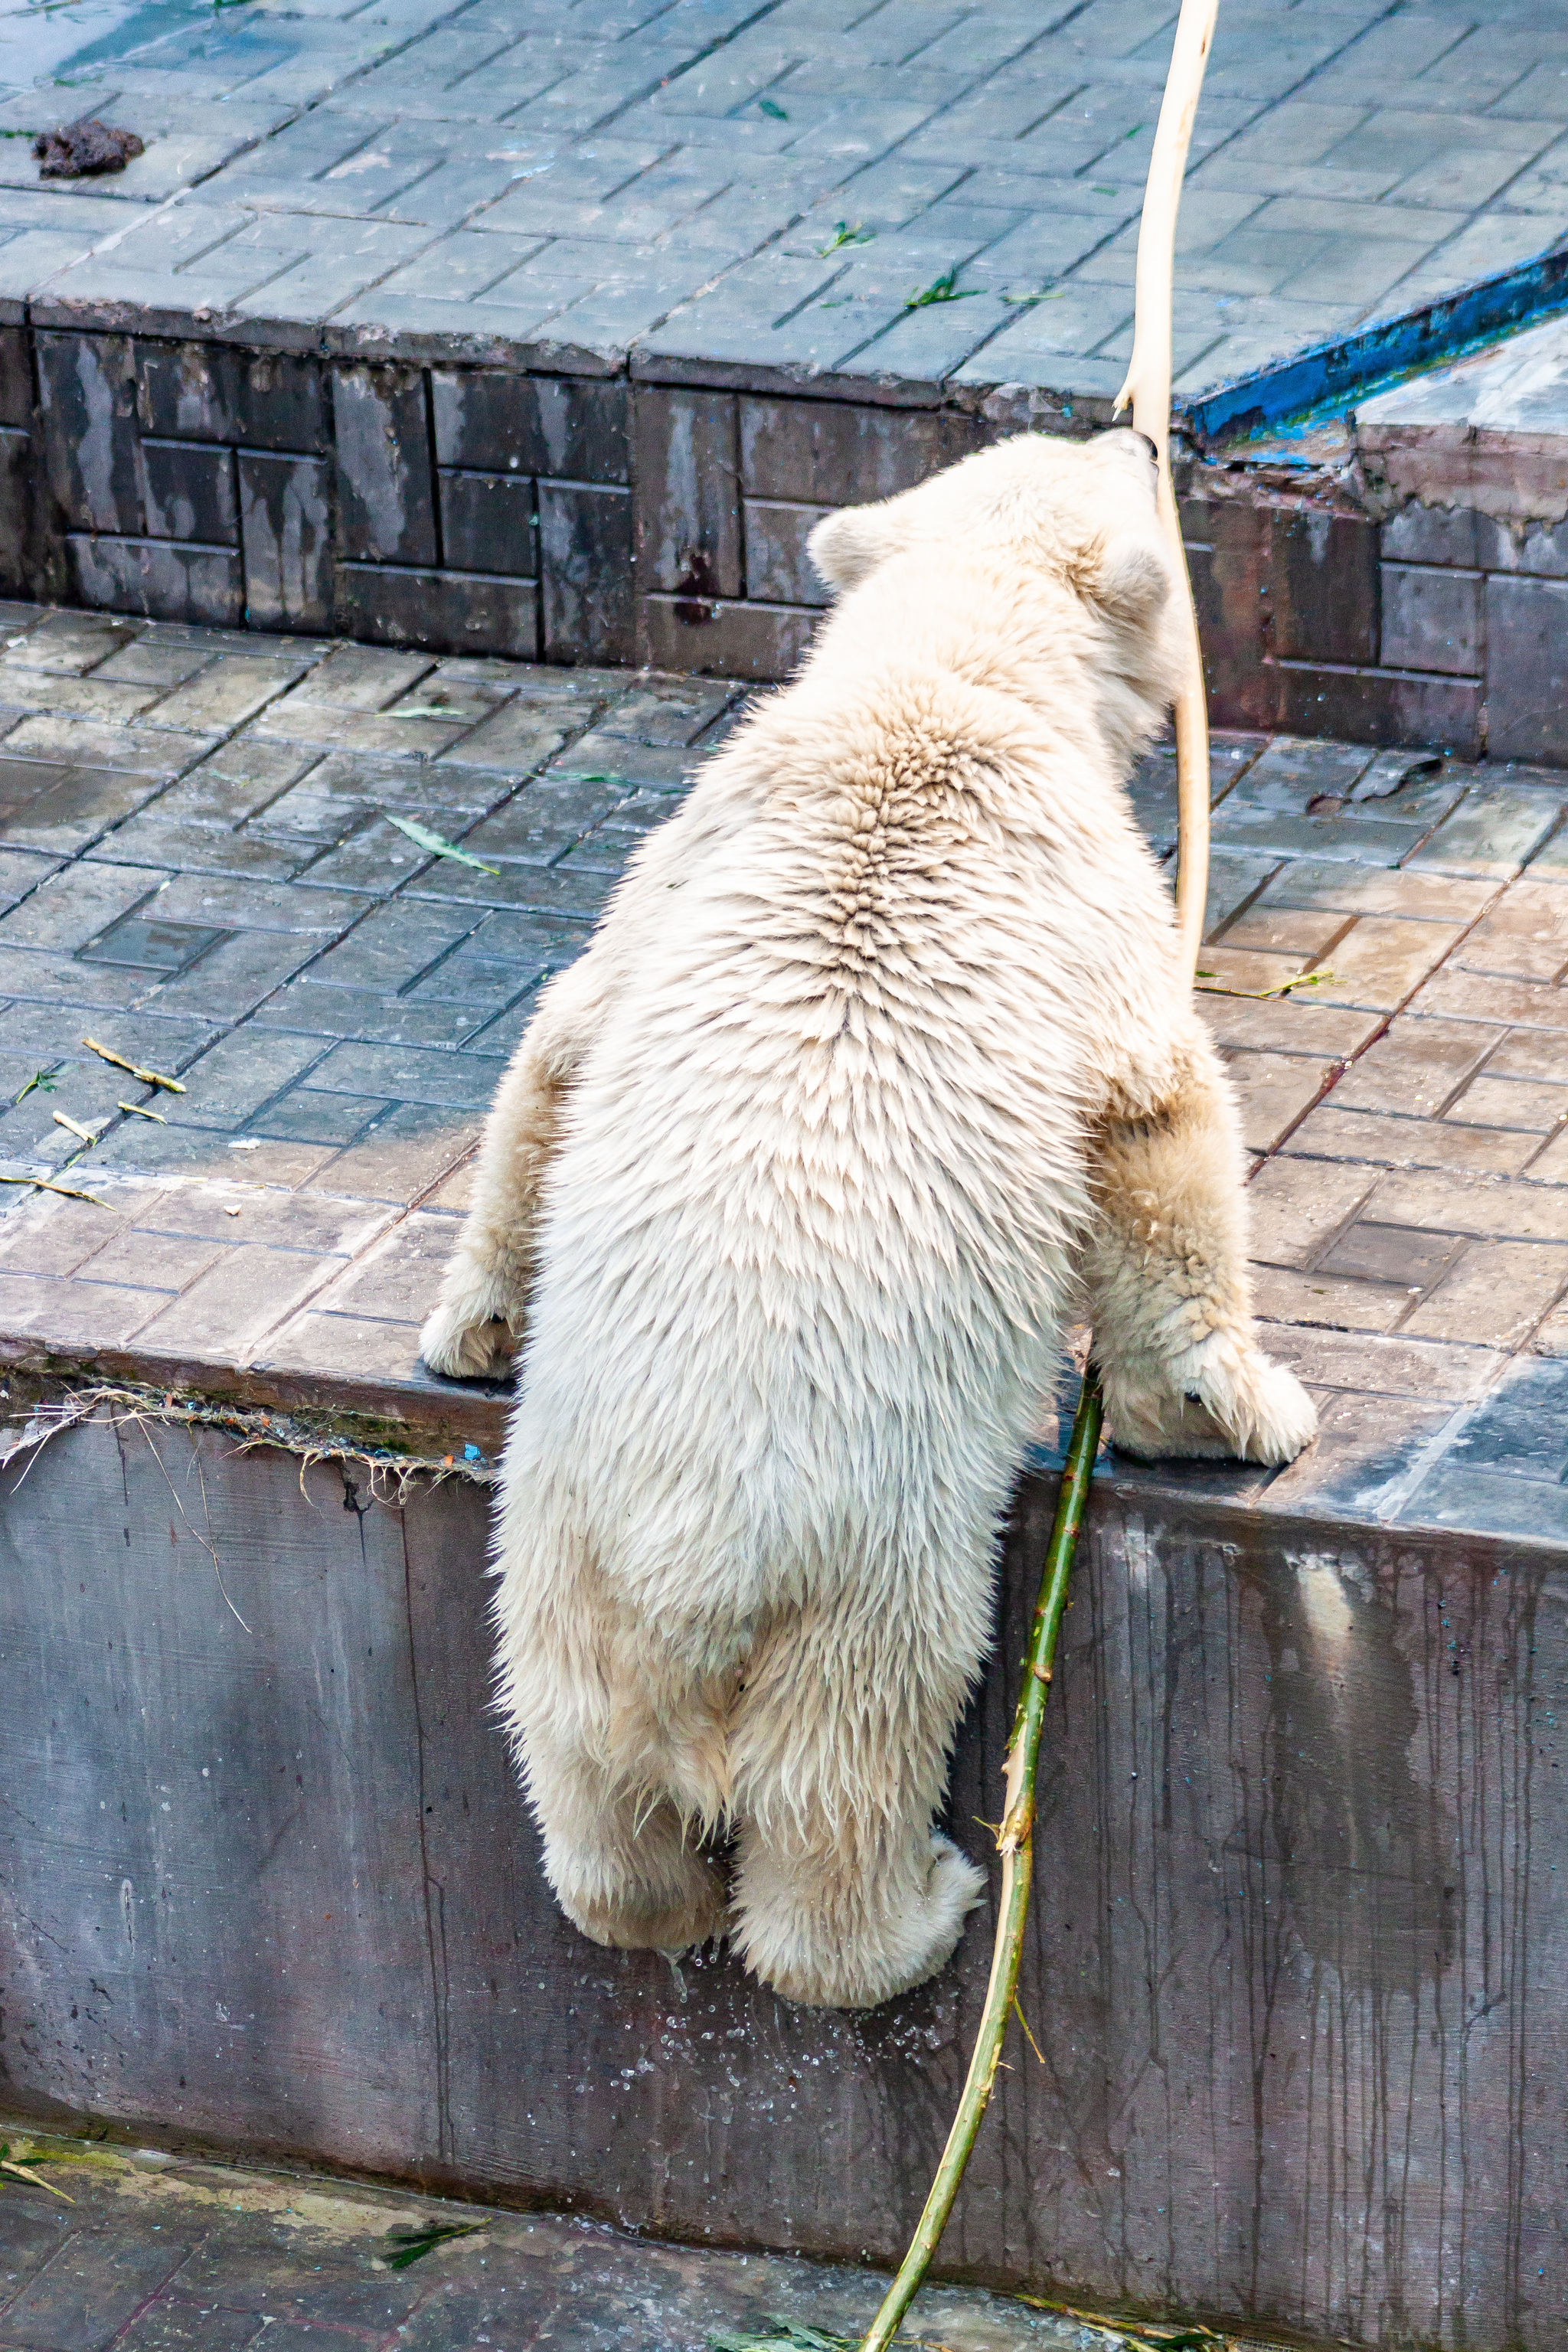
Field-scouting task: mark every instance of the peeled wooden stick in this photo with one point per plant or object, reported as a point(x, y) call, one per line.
point(1148, 387)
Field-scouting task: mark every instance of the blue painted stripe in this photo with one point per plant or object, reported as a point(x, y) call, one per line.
point(1387, 348)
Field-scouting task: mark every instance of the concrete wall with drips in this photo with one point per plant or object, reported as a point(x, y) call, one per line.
point(1298, 1962)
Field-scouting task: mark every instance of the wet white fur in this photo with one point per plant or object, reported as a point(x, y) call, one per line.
point(877, 1068)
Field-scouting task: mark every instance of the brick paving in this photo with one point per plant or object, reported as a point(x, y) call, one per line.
point(730, 181)
point(203, 871)
point(161, 2254)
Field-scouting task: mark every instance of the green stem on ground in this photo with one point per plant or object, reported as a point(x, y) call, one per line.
point(1015, 1843)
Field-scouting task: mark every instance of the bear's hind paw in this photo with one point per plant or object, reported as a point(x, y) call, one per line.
point(648, 1920)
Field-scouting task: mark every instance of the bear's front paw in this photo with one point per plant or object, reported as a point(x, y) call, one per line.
point(469, 1335)
point(1252, 1410)
point(1272, 1415)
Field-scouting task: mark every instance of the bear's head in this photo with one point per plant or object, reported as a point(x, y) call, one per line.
point(1081, 510)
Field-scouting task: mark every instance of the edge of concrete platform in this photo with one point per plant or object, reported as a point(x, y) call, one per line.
point(1384, 1469)
point(1400, 343)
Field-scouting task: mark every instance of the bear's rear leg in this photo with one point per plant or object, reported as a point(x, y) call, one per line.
point(844, 1922)
point(845, 1893)
point(620, 1863)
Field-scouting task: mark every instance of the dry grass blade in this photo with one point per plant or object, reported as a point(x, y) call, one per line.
point(1144, 2333)
point(799, 2336)
point(942, 289)
point(148, 1078)
point(47, 1185)
point(845, 233)
point(411, 2245)
point(206, 1541)
point(783, 2336)
point(63, 1118)
point(1260, 995)
point(437, 845)
point(137, 1112)
point(23, 2171)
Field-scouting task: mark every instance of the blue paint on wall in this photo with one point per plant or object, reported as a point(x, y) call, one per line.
point(1382, 351)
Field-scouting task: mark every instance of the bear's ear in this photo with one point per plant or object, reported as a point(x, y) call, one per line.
point(846, 546)
point(1132, 578)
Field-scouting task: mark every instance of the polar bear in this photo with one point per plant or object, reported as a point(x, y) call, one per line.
point(879, 1066)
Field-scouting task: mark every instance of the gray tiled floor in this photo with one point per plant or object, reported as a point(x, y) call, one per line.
point(203, 869)
point(686, 177)
point(157, 2255)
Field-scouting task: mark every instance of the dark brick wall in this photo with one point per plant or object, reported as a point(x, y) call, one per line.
point(484, 510)
point(1437, 625)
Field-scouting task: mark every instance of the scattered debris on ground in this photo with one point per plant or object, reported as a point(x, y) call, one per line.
point(78, 151)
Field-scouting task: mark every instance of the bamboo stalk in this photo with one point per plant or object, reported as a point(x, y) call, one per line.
point(1014, 1843)
point(1148, 387)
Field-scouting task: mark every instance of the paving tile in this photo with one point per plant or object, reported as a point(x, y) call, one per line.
point(1274, 1091)
point(1321, 1298)
point(397, 1278)
point(67, 911)
point(1401, 1256)
point(1464, 1204)
point(236, 975)
point(1457, 1494)
point(575, 895)
point(1360, 1465)
point(1390, 1142)
point(1495, 1294)
point(1246, 972)
point(48, 1234)
point(1308, 883)
point(233, 1079)
point(1551, 1166)
point(329, 1013)
point(210, 1154)
point(226, 1311)
point(518, 738)
point(305, 1115)
point(1383, 1364)
point(233, 904)
point(1519, 1431)
point(1529, 1105)
point(359, 677)
point(47, 807)
point(73, 642)
point(1304, 934)
point(411, 1148)
point(174, 2326)
point(1294, 1208)
point(1525, 937)
point(1491, 836)
point(1417, 1067)
point(1529, 1053)
point(1382, 958)
point(90, 2289)
point(1476, 996)
point(1287, 1024)
point(226, 694)
point(410, 1074)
